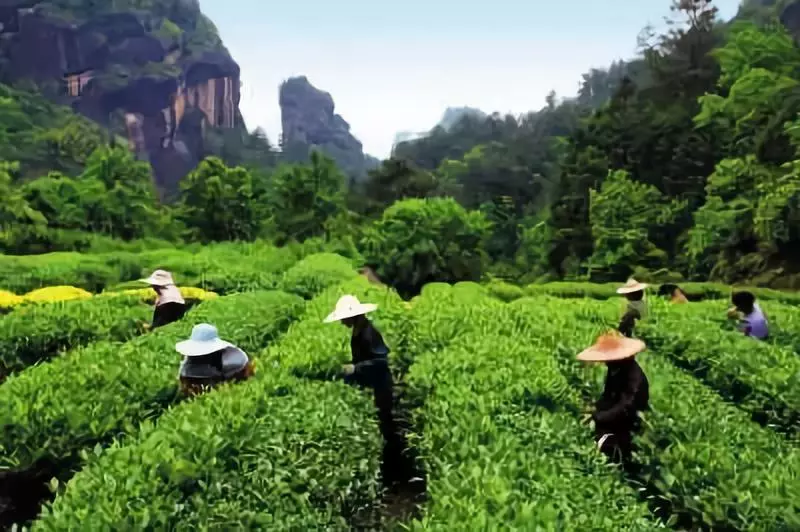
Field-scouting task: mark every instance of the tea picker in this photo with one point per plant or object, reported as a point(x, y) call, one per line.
point(626, 393)
point(209, 361)
point(370, 369)
point(636, 308)
point(170, 305)
point(752, 320)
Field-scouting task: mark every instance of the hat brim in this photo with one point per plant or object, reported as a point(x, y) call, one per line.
point(626, 348)
point(357, 311)
point(193, 348)
point(153, 282)
point(631, 289)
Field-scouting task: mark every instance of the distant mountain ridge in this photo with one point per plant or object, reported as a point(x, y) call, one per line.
point(451, 117)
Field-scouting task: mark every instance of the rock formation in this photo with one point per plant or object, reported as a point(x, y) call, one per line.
point(309, 121)
point(159, 82)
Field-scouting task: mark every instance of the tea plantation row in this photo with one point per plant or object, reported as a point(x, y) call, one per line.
point(498, 407)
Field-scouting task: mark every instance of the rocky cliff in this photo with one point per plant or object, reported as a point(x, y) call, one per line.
point(153, 70)
point(309, 121)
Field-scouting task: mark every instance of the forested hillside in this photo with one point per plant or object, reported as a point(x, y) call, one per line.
point(677, 163)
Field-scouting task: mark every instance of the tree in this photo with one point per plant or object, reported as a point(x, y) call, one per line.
point(302, 198)
point(218, 203)
point(399, 179)
point(624, 215)
point(418, 241)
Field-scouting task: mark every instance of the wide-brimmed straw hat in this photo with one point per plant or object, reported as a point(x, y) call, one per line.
point(159, 278)
point(610, 347)
point(631, 286)
point(204, 341)
point(348, 307)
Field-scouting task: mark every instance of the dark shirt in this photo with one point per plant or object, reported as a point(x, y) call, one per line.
point(167, 313)
point(626, 393)
point(628, 322)
point(370, 358)
point(218, 366)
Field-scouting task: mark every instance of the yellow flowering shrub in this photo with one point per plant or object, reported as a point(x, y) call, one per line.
point(147, 294)
point(51, 294)
point(9, 299)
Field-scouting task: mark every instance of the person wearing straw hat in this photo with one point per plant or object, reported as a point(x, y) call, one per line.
point(370, 369)
point(209, 360)
point(626, 393)
point(170, 305)
point(752, 320)
point(675, 293)
point(636, 308)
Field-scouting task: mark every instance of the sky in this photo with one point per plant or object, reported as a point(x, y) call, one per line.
point(396, 66)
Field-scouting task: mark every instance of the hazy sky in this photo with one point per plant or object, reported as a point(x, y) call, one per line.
point(396, 66)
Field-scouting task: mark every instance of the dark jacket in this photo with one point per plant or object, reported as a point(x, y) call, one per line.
point(626, 393)
point(370, 358)
point(167, 313)
point(628, 322)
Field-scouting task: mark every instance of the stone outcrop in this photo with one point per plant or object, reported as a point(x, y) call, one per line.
point(309, 121)
point(124, 71)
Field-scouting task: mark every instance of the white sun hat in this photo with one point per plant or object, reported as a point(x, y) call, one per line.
point(204, 341)
point(159, 278)
point(631, 286)
point(349, 306)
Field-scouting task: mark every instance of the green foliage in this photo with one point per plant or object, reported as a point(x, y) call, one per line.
point(241, 475)
point(498, 441)
point(399, 179)
point(623, 213)
point(251, 472)
point(315, 273)
point(43, 136)
point(33, 334)
point(421, 241)
point(222, 268)
point(220, 203)
point(302, 199)
point(112, 387)
point(681, 452)
point(760, 378)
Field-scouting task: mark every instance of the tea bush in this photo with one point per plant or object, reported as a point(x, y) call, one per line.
point(53, 410)
point(315, 273)
point(34, 333)
point(241, 458)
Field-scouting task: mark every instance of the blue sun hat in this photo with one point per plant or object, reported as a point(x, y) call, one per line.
point(204, 341)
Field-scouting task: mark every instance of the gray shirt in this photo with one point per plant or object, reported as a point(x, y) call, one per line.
point(233, 361)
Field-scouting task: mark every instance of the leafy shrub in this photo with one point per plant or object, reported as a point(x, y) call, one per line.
point(751, 468)
point(222, 268)
point(34, 333)
point(761, 378)
point(501, 447)
point(422, 241)
point(111, 387)
point(315, 273)
point(244, 452)
point(505, 291)
point(52, 294)
point(9, 300)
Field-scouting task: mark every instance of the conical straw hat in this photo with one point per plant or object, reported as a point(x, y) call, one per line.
point(612, 346)
point(348, 307)
point(631, 286)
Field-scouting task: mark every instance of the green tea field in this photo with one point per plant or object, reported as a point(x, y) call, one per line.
point(96, 435)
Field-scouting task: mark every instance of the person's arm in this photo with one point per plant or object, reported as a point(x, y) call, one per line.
point(628, 322)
